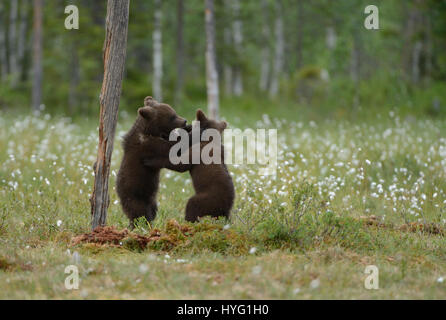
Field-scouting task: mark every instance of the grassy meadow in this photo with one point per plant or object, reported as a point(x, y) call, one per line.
point(348, 194)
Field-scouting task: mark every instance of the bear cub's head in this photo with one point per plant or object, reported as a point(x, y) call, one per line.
point(159, 119)
point(206, 123)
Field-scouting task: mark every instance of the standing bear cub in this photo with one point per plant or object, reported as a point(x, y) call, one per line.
point(137, 184)
point(214, 190)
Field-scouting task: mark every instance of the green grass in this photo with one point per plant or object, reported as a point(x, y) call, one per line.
point(307, 226)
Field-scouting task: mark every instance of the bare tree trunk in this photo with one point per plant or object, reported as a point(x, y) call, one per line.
point(238, 39)
point(227, 68)
point(266, 50)
point(157, 53)
point(300, 24)
point(416, 41)
point(22, 37)
point(114, 65)
point(429, 48)
point(3, 56)
point(331, 38)
point(13, 41)
point(211, 63)
point(180, 51)
point(227, 38)
point(73, 100)
point(37, 56)
point(279, 52)
point(416, 57)
point(355, 65)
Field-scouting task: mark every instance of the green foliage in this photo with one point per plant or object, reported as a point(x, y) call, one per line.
point(320, 80)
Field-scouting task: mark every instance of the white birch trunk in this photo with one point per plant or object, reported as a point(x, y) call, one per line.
point(279, 51)
point(330, 38)
point(21, 42)
point(211, 63)
point(355, 66)
point(266, 53)
point(238, 39)
point(13, 40)
point(37, 55)
point(416, 56)
point(180, 51)
point(227, 68)
point(3, 57)
point(157, 53)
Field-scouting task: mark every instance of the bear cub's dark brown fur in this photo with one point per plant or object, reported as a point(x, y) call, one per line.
point(214, 190)
point(137, 184)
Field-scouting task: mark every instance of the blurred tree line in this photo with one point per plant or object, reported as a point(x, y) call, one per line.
point(314, 52)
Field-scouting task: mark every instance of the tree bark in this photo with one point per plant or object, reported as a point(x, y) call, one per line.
point(157, 53)
point(180, 51)
point(355, 65)
point(21, 42)
point(211, 63)
point(13, 41)
point(266, 50)
point(114, 54)
point(416, 58)
point(279, 50)
point(37, 56)
point(73, 97)
point(227, 68)
point(3, 56)
point(238, 39)
point(300, 25)
point(228, 42)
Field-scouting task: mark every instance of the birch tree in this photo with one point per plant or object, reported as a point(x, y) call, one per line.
point(266, 50)
point(228, 40)
point(37, 56)
point(21, 41)
point(211, 64)
point(157, 53)
point(279, 50)
point(355, 65)
point(74, 79)
point(180, 51)
point(299, 34)
point(3, 56)
point(227, 68)
point(114, 54)
point(13, 40)
point(238, 39)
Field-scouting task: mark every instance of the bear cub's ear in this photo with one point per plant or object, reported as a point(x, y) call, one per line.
point(146, 112)
point(201, 116)
point(150, 102)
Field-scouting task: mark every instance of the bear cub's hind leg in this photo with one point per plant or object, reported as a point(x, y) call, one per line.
point(135, 209)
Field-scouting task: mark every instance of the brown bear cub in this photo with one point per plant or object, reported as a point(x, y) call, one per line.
point(137, 184)
point(214, 190)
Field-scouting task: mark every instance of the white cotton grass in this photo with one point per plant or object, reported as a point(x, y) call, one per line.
point(252, 250)
point(143, 268)
point(256, 270)
point(390, 168)
point(315, 283)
